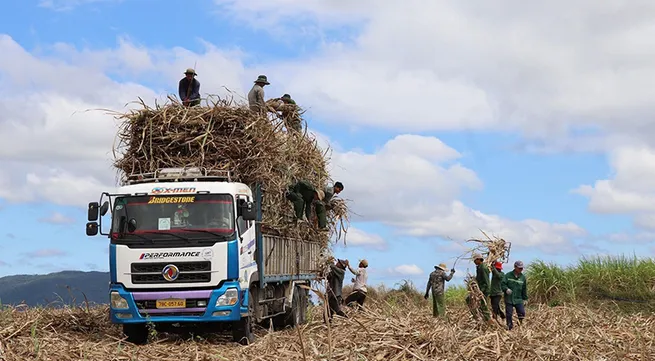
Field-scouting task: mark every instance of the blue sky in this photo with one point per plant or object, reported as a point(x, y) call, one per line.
point(454, 131)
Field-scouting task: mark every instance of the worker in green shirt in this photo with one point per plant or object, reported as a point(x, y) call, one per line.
point(496, 292)
point(482, 279)
point(515, 288)
point(302, 194)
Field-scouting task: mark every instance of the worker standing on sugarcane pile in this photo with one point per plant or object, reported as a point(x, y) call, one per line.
point(496, 292)
point(334, 288)
point(515, 287)
point(189, 88)
point(482, 279)
point(256, 95)
point(303, 195)
point(437, 282)
point(358, 295)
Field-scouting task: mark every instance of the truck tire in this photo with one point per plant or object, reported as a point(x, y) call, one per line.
point(242, 330)
point(298, 313)
point(136, 333)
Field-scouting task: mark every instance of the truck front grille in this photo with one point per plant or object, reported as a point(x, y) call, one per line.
point(190, 303)
point(190, 272)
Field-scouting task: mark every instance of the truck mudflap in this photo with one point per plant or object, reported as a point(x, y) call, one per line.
point(215, 305)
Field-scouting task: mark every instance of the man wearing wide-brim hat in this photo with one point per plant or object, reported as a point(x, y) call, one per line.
point(256, 95)
point(437, 282)
point(189, 88)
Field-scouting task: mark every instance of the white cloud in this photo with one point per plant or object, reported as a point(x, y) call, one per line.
point(630, 190)
point(405, 184)
point(429, 65)
point(406, 270)
point(358, 238)
point(57, 218)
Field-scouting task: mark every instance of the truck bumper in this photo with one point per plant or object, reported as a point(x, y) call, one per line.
point(200, 306)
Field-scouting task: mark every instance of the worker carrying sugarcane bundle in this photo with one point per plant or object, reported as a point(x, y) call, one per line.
point(290, 112)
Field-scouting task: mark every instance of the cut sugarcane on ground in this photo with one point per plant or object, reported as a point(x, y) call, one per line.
point(389, 328)
point(227, 135)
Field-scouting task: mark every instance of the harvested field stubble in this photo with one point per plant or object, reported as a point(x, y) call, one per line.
point(227, 135)
point(384, 331)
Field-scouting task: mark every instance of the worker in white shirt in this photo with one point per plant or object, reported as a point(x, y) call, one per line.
point(358, 295)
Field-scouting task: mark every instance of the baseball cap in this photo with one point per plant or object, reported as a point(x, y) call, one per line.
point(518, 264)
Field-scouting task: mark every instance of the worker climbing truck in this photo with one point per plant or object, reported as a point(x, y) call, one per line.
point(186, 248)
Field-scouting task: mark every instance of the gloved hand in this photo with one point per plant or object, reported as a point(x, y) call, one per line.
point(509, 292)
point(452, 270)
point(426, 296)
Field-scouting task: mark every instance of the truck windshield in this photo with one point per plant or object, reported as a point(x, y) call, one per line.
point(174, 217)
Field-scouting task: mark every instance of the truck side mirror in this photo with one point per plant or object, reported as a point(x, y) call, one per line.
point(104, 208)
point(131, 225)
point(93, 211)
point(248, 211)
point(91, 228)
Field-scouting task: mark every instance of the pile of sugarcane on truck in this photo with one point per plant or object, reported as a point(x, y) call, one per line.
point(186, 248)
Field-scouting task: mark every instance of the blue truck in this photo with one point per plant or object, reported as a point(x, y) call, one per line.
point(186, 248)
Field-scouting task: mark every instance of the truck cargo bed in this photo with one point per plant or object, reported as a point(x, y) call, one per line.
point(288, 259)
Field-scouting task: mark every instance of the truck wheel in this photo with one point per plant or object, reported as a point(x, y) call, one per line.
point(297, 316)
point(242, 329)
point(136, 333)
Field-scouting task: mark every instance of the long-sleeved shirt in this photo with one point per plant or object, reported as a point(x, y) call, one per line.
point(437, 283)
point(360, 278)
point(183, 89)
point(518, 285)
point(335, 280)
point(256, 98)
point(482, 278)
point(496, 278)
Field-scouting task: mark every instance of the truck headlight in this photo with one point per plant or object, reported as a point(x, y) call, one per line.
point(229, 298)
point(118, 302)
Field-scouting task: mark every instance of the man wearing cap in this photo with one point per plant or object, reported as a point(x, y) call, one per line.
point(496, 293)
point(359, 284)
point(482, 279)
point(437, 283)
point(256, 95)
point(303, 195)
point(189, 88)
point(515, 288)
point(334, 287)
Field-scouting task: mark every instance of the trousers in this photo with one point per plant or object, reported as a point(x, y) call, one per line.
point(509, 310)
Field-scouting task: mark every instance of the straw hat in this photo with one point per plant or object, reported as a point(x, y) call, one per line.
point(190, 71)
point(477, 256)
point(442, 266)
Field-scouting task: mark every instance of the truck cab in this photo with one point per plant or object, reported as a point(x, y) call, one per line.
point(183, 249)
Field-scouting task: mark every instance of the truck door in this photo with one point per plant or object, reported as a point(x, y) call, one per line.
point(246, 229)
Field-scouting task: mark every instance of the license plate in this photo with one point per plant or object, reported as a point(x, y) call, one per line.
point(171, 303)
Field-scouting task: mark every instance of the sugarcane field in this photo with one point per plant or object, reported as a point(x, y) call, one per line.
point(323, 180)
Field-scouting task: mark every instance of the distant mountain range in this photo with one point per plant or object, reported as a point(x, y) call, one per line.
point(55, 289)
